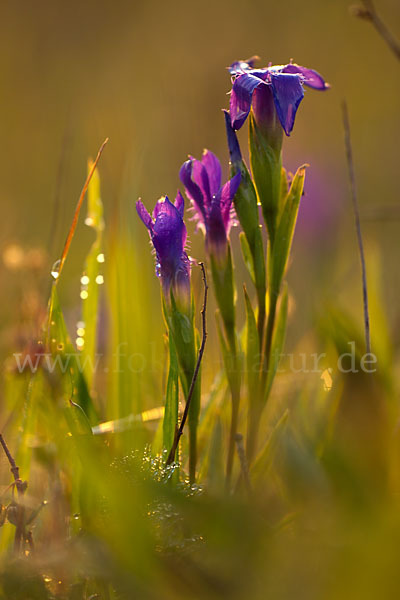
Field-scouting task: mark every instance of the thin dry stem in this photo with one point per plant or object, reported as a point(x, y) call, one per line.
point(368, 12)
point(77, 210)
point(353, 190)
point(21, 487)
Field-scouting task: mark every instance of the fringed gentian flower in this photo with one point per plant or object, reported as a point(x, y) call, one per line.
point(274, 90)
point(168, 235)
point(212, 202)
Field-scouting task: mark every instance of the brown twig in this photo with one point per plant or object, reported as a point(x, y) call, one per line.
point(368, 12)
point(56, 205)
point(179, 430)
point(14, 468)
point(353, 189)
point(21, 487)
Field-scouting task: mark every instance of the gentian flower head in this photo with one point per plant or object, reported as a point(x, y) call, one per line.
point(212, 201)
point(275, 92)
point(168, 235)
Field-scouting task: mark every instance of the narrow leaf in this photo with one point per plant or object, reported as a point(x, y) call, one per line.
point(264, 459)
point(172, 398)
point(285, 230)
point(278, 341)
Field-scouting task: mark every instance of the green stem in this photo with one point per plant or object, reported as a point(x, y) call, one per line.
point(192, 454)
point(268, 339)
point(235, 401)
point(252, 430)
point(259, 401)
point(261, 316)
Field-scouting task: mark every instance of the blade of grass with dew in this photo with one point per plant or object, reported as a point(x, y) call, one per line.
point(92, 277)
point(64, 356)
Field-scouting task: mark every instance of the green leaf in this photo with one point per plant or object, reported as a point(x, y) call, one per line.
point(247, 256)
point(224, 288)
point(264, 459)
point(280, 251)
point(170, 421)
point(252, 349)
point(278, 341)
point(215, 473)
point(266, 165)
point(284, 191)
point(231, 359)
point(68, 367)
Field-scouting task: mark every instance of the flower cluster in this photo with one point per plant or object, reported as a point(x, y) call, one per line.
point(272, 95)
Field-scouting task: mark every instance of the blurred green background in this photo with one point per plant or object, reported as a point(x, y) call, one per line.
point(151, 76)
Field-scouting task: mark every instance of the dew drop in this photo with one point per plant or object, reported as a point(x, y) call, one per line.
point(80, 332)
point(100, 258)
point(80, 342)
point(99, 279)
point(84, 294)
point(55, 269)
point(85, 280)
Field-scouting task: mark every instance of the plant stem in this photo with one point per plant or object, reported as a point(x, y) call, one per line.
point(254, 418)
point(353, 189)
point(179, 430)
point(21, 487)
point(368, 12)
point(235, 397)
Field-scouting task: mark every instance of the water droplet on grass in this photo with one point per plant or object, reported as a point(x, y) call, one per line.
point(55, 269)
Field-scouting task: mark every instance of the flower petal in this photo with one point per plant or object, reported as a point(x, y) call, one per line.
point(213, 168)
point(144, 215)
point(192, 189)
point(241, 96)
point(169, 232)
point(233, 144)
point(311, 78)
point(225, 198)
point(242, 65)
point(179, 203)
point(288, 93)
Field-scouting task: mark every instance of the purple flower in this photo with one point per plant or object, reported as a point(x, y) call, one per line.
point(274, 90)
point(168, 235)
point(212, 202)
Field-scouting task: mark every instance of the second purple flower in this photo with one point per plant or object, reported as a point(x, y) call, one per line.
point(211, 200)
